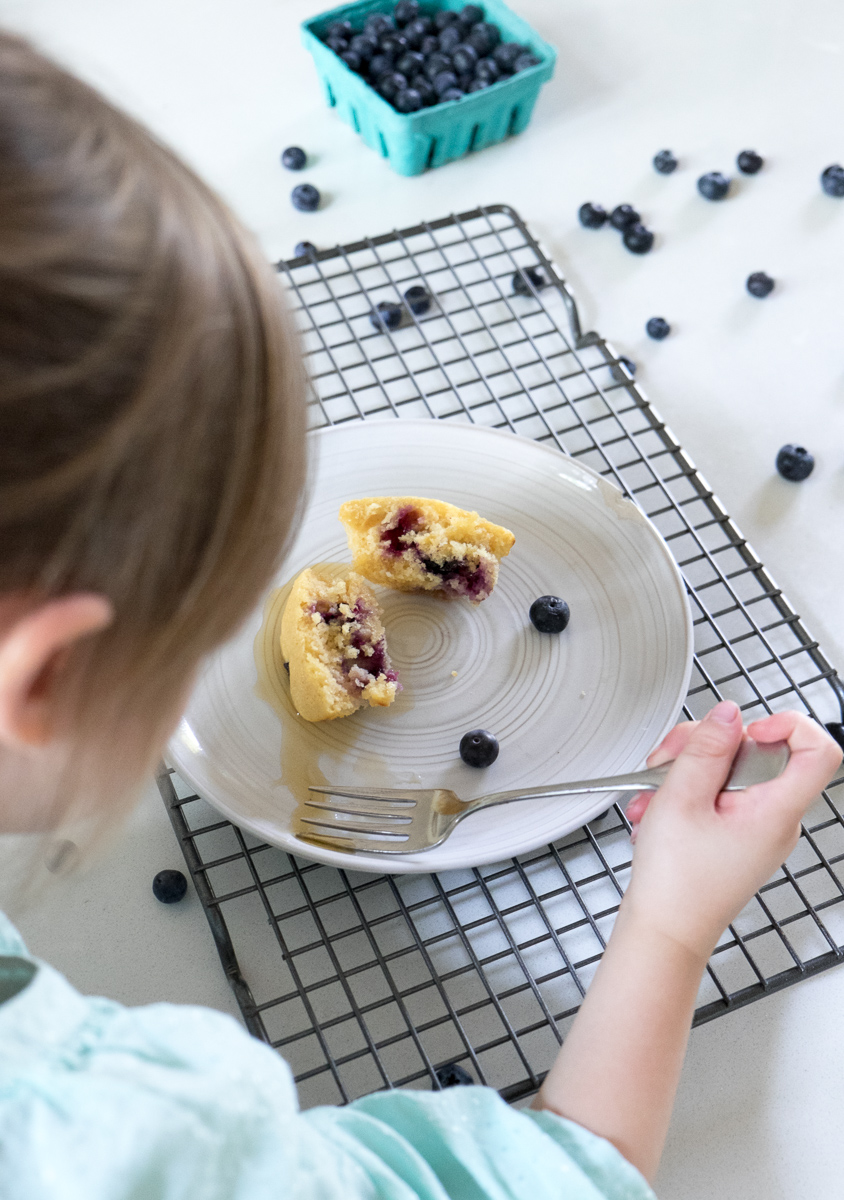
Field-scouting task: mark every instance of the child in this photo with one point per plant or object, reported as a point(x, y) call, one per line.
point(151, 468)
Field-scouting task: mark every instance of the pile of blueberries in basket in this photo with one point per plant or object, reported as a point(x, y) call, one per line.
point(415, 61)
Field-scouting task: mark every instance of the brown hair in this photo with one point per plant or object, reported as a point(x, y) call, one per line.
point(151, 403)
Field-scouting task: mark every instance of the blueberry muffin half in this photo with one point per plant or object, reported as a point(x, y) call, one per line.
point(418, 545)
point(333, 640)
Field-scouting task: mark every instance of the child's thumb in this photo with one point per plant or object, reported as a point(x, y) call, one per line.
point(701, 768)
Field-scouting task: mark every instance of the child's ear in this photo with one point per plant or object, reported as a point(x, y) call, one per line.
point(32, 650)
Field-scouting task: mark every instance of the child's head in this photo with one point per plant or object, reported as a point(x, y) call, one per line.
point(151, 438)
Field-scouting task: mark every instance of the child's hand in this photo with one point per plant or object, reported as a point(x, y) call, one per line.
point(701, 853)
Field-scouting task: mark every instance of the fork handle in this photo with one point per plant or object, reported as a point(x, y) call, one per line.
point(634, 781)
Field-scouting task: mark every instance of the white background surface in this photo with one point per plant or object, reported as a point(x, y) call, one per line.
point(227, 83)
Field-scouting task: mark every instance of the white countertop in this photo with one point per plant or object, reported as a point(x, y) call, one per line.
point(228, 84)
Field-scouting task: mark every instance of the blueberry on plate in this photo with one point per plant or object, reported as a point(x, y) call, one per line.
point(628, 363)
point(465, 59)
point(405, 12)
point(795, 463)
point(444, 80)
point(418, 299)
point(305, 197)
point(487, 70)
point(713, 185)
point(452, 93)
point(623, 215)
point(528, 280)
point(483, 37)
point(657, 328)
point(592, 216)
point(506, 54)
point(479, 748)
point(386, 315)
point(450, 38)
point(453, 1075)
point(749, 162)
point(293, 158)
point(407, 100)
point(470, 14)
point(304, 248)
point(169, 887)
point(524, 61)
point(832, 180)
point(664, 162)
point(549, 614)
point(759, 284)
point(638, 239)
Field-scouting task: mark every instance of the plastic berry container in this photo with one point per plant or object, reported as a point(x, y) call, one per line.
point(413, 142)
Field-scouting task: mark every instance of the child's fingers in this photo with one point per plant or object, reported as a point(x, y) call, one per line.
point(702, 766)
point(672, 744)
point(636, 808)
point(815, 758)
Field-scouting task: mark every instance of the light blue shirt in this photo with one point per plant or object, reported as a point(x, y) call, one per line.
point(102, 1102)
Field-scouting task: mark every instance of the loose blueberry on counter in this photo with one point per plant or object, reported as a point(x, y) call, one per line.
point(623, 215)
point(294, 158)
point(665, 162)
point(305, 197)
point(453, 1075)
point(408, 100)
point(657, 328)
point(479, 748)
point(759, 284)
point(386, 315)
point(527, 280)
point(406, 11)
point(832, 180)
point(713, 185)
point(627, 362)
point(169, 887)
point(749, 162)
point(549, 614)
point(592, 215)
point(417, 299)
point(452, 93)
point(795, 463)
point(638, 239)
point(304, 248)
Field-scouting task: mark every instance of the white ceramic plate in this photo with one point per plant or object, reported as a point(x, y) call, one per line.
point(592, 701)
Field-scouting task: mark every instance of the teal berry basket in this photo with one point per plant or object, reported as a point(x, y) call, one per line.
point(413, 142)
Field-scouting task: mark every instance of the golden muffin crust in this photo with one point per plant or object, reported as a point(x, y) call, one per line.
point(415, 544)
point(333, 639)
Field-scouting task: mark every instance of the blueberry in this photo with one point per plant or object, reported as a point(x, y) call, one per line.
point(339, 29)
point(524, 61)
point(832, 180)
point(591, 215)
point(483, 37)
point(638, 239)
point(393, 43)
point(390, 85)
point(444, 17)
point(436, 64)
point(294, 158)
point(549, 614)
point(664, 162)
point(364, 45)
point(506, 54)
point(623, 215)
point(406, 11)
point(749, 162)
point(478, 85)
point(411, 63)
point(453, 1075)
point(304, 248)
point(465, 59)
point(430, 45)
point(487, 70)
point(759, 285)
point(657, 328)
point(713, 185)
point(421, 85)
point(386, 315)
point(169, 886)
point(527, 276)
point(337, 44)
point(470, 14)
point(418, 299)
point(407, 100)
point(377, 23)
point(380, 65)
point(416, 32)
point(352, 60)
point(450, 39)
point(443, 81)
point(452, 93)
point(305, 197)
point(478, 748)
point(628, 363)
point(795, 463)
point(836, 730)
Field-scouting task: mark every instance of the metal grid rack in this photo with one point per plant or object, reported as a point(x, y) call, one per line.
point(365, 982)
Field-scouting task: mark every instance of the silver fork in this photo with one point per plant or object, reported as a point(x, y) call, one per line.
point(409, 820)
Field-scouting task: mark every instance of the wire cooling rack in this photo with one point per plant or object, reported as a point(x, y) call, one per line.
point(365, 982)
